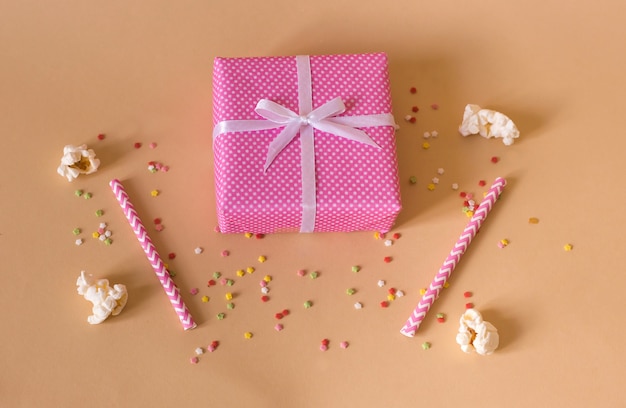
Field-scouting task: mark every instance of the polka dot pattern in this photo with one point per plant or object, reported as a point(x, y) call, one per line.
point(357, 185)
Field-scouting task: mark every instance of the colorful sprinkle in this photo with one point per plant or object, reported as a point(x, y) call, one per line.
point(228, 296)
point(199, 351)
point(503, 243)
point(262, 258)
point(250, 269)
point(314, 275)
point(425, 145)
point(248, 235)
point(301, 272)
point(323, 347)
point(78, 193)
point(267, 279)
point(387, 259)
point(171, 255)
point(198, 250)
point(79, 241)
point(278, 327)
point(467, 294)
point(384, 304)
point(225, 253)
point(101, 136)
point(413, 180)
point(194, 360)
point(194, 291)
point(217, 275)
point(308, 304)
point(265, 298)
point(415, 109)
point(482, 183)
point(137, 145)
point(241, 273)
point(533, 220)
point(358, 305)
point(154, 193)
point(413, 90)
point(205, 299)
point(152, 145)
point(247, 335)
point(344, 344)
point(495, 159)
point(230, 306)
point(425, 345)
point(350, 291)
point(76, 231)
point(356, 268)
point(431, 186)
point(469, 305)
point(568, 247)
point(399, 293)
point(221, 316)
point(381, 283)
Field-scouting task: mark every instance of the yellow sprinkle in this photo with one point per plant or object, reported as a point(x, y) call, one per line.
point(431, 186)
point(568, 247)
point(446, 285)
point(377, 235)
point(154, 193)
point(262, 258)
point(247, 335)
point(470, 214)
point(504, 242)
point(228, 296)
point(425, 145)
point(267, 278)
point(391, 297)
point(422, 291)
point(241, 273)
point(95, 234)
point(205, 299)
point(533, 220)
point(248, 235)
point(250, 269)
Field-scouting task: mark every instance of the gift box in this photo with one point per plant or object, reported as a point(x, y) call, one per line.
point(304, 143)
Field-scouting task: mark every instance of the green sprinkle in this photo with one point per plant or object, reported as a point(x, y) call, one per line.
point(221, 316)
point(356, 268)
point(171, 273)
point(440, 315)
point(425, 345)
point(308, 304)
point(314, 275)
point(350, 291)
point(76, 231)
point(87, 196)
point(78, 193)
point(230, 282)
point(108, 241)
point(216, 275)
point(99, 213)
point(413, 180)
point(230, 306)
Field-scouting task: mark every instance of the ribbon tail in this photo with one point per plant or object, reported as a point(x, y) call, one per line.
point(347, 132)
point(280, 142)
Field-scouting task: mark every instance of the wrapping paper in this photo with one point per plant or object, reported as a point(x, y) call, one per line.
point(356, 184)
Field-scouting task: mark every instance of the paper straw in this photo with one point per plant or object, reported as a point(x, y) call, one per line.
point(414, 321)
point(168, 284)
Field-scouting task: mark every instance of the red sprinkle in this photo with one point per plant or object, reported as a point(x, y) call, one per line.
point(285, 312)
point(396, 235)
point(279, 316)
point(392, 291)
point(441, 319)
point(462, 194)
point(495, 159)
point(387, 259)
point(137, 145)
point(325, 342)
point(215, 343)
point(467, 294)
point(415, 109)
point(265, 298)
point(101, 136)
point(171, 255)
point(211, 283)
point(259, 236)
point(413, 90)
point(157, 221)
point(482, 183)
point(384, 304)
point(469, 305)
point(413, 119)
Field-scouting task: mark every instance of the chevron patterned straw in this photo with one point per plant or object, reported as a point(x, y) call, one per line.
point(168, 284)
point(414, 321)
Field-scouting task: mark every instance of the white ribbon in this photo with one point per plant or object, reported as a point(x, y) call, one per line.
point(323, 118)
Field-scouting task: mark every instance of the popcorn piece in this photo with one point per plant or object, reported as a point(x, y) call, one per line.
point(106, 300)
point(488, 124)
point(477, 334)
point(77, 160)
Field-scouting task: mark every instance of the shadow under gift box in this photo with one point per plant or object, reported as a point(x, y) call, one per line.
point(352, 184)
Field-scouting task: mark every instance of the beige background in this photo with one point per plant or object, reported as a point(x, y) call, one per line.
point(140, 71)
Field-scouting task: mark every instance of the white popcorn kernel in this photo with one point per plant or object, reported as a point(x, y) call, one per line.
point(488, 124)
point(475, 334)
point(77, 160)
point(107, 301)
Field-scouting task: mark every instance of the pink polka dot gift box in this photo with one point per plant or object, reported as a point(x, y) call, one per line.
point(304, 143)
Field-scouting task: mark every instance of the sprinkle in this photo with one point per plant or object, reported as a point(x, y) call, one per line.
point(194, 291)
point(285, 312)
point(425, 145)
point(248, 235)
point(325, 342)
point(211, 348)
point(216, 275)
point(435, 180)
point(455, 186)
point(384, 304)
point(78, 193)
point(387, 259)
point(434, 106)
point(356, 268)
point(259, 236)
point(267, 278)
point(95, 234)
point(171, 255)
point(408, 118)
point(250, 269)
point(399, 293)
point(413, 90)
point(108, 241)
point(344, 344)
point(76, 231)
point(137, 145)
point(446, 285)
point(221, 316)
point(265, 298)
point(205, 299)
point(228, 296)
point(278, 327)
point(300, 272)
point(323, 347)
point(152, 145)
point(265, 290)
point(278, 316)
point(199, 351)
point(503, 243)
point(101, 136)
point(79, 241)
point(314, 275)
point(396, 235)
point(469, 305)
point(381, 283)
point(87, 196)
point(247, 335)
point(262, 283)
point(462, 194)
point(422, 291)
point(308, 304)
point(377, 235)
point(441, 318)
point(426, 135)
point(262, 258)
point(413, 180)
point(434, 133)
point(482, 183)
point(350, 291)
point(388, 242)
point(415, 109)
point(391, 297)
point(154, 193)
point(392, 291)
point(358, 305)
point(230, 282)
point(230, 306)
point(198, 250)
point(194, 360)
point(568, 247)
point(159, 227)
point(425, 345)
point(533, 220)
point(241, 273)
point(431, 186)
point(467, 294)
point(495, 159)
point(171, 273)
point(156, 221)
point(165, 169)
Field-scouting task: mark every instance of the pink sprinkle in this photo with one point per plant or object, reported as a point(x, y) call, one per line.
point(223, 281)
point(194, 291)
point(153, 145)
point(323, 347)
point(158, 166)
point(159, 227)
point(165, 169)
point(434, 106)
point(194, 360)
point(216, 228)
point(210, 348)
point(278, 327)
point(263, 283)
point(301, 272)
point(344, 344)
point(225, 253)
point(101, 231)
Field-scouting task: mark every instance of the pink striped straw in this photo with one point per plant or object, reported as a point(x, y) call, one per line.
point(416, 318)
point(168, 284)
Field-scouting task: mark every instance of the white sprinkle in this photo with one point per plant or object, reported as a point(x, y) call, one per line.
point(199, 351)
point(198, 250)
point(455, 186)
point(407, 118)
point(103, 225)
point(440, 170)
point(79, 241)
point(265, 290)
point(102, 237)
point(388, 242)
point(399, 293)
point(381, 283)
point(426, 135)
point(358, 305)
point(435, 180)
point(434, 133)
point(108, 233)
